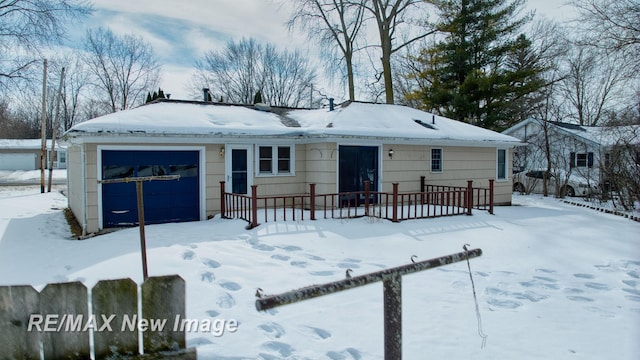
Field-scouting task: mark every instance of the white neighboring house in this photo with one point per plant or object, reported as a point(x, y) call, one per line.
point(24, 154)
point(583, 152)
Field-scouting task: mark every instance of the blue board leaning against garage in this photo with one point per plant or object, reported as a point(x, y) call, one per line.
point(164, 201)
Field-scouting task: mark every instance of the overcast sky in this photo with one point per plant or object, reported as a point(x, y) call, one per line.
point(180, 31)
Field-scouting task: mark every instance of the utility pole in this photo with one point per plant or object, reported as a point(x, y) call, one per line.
point(43, 147)
point(55, 125)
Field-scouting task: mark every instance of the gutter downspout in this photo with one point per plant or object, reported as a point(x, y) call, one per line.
point(84, 190)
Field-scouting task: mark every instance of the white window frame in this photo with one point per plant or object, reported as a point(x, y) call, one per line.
point(441, 160)
point(274, 161)
point(506, 165)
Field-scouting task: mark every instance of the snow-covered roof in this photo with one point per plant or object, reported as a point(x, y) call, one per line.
point(599, 135)
point(25, 144)
point(352, 120)
point(608, 135)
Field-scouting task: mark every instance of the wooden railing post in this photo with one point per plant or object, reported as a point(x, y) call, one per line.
point(366, 197)
point(422, 188)
point(491, 196)
point(223, 210)
point(254, 206)
point(469, 196)
point(312, 201)
point(395, 203)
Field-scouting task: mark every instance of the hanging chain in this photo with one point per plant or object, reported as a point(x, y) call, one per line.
point(475, 298)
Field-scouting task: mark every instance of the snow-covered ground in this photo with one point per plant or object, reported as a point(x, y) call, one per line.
point(555, 281)
point(58, 176)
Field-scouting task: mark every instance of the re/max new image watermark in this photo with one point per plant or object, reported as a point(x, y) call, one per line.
point(108, 323)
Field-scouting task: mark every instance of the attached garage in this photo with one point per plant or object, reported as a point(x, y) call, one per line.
point(164, 200)
point(17, 161)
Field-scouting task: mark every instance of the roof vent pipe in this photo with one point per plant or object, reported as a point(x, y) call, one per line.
point(433, 119)
point(205, 94)
point(330, 104)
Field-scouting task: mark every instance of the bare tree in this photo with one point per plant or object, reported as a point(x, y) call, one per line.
point(123, 68)
point(621, 164)
point(287, 76)
point(236, 73)
point(74, 89)
point(26, 27)
point(594, 84)
point(336, 24)
point(611, 25)
point(391, 17)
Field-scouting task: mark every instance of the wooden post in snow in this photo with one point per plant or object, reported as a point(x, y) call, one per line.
point(140, 197)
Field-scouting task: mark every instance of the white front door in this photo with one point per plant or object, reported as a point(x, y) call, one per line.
point(238, 168)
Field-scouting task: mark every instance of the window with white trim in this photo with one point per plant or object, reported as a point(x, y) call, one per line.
point(436, 160)
point(501, 164)
point(275, 159)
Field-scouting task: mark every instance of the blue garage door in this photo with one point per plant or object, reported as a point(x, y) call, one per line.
point(164, 200)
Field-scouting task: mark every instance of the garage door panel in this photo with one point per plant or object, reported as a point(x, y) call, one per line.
point(164, 200)
point(17, 161)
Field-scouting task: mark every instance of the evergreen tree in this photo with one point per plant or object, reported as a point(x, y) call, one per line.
point(156, 95)
point(482, 71)
point(257, 98)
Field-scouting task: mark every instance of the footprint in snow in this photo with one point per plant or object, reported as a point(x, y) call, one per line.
point(188, 255)
point(346, 265)
point(504, 304)
point(631, 283)
point(584, 276)
point(317, 332)
point(211, 263)
point(207, 276)
point(212, 313)
point(314, 257)
point(290, 248)
point(263, 247)
point(579, 298)
point(272, 330)
point(230, 285)
point(537, 283)
point(322, 273)
point(281, 257)
point(199, 341)
point(546, 271)
point(226, 302)
point(634, 274)
point(597, 286)
point(346, 354)
point(573, 291)
point(283, 349)
point(633, 298)
point(632, 291)
point(300, 264)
